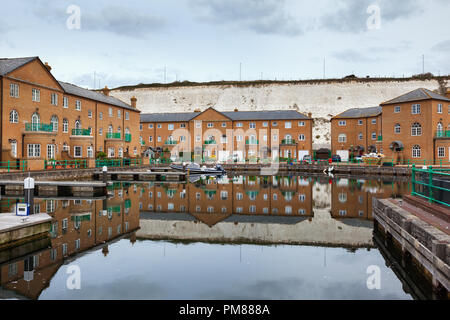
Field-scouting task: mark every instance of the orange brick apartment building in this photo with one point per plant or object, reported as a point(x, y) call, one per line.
point(224, 136)
point(358, 130)
point(42, 118)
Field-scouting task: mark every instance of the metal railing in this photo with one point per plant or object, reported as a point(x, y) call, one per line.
point(36, 127)
point(210, 142)
point(125, 162)
point(288, 141)
point(171, 142)
point(15, 165)
point(431, 184)
point(443, 134)
point(113, 135)
point(252, 142)
point(65, 164)
point(81, 132)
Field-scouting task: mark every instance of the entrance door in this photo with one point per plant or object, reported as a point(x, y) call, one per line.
point(344, 154)
point(302, 153)
point(14, 149)
point(51, 151)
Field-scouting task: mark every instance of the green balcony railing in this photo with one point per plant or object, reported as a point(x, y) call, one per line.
point(380, 138)
point(443, 134)
point(171, 142)
point(127, 137)
point(210, 142)
point(125, 162)
point(33, 127)
point(113, 135)
point(81, 132)
point(288, 141)
point(251, 141)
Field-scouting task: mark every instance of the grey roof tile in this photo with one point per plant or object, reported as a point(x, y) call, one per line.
point(359, 113)
point(8, 65)
point(168, 117)
point(416, 95)
point(266, 115)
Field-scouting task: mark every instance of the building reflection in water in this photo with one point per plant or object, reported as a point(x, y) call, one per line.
point(86, 225)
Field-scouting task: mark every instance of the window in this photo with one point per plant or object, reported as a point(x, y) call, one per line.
point(77, 124)
point(301, 123)
point(34, 150)
point(78, 105)
point(111, 152)
point(210, 125)
point(239, 125)
point(224, 124)
point(416, 129)
point(127, 115)
point(360, 122)
point(150, 138)
point(275, 137)
point(119, 114)
point(100, 131)
point(54, 99)
point(265, 124)
point(54, 122)
point(14, 90)
point(374, 121)
point(397, 128)
point(150, 126)
point(198, 124)
point(374, 136)
point(36, 95)
point(288, 125)
point(170, 126)
point(78, 151)
point(416, 151)
point(159, 138)
point(65, 102)
point(397, 109)
point(441, 152)
point(159, 126)
point(415, 109)
point(77, 244)
point(239, 196)
point(360, 136)
point(90, 113)
point(238, 138)
point(141, 127)
point(274, 124)
point(252, 125)
point(342, 123)
point(100, 115)
point(342, 212)
point(183, 125)
point(342, 138)
point(90, 152)
point(14, 116)
point(439, 108)
point(440, 127)
point(14, 148)
point(110, 111)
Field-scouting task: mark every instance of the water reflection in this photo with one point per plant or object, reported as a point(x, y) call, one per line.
point(240, 209)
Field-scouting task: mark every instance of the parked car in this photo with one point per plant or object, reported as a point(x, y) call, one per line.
point(336, 158)
point(307, 158)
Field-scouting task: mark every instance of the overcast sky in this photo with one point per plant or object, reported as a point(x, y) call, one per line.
point(131, 42)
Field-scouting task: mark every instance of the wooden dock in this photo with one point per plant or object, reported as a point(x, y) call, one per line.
point(55, 188)
point(162, 174)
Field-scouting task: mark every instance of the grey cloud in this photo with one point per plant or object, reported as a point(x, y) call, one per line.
point(350, 55)
point(442, 46)
point(259, 16)
point(352, 14)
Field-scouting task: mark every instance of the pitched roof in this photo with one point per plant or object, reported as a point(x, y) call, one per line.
point(93, 95)
point(8, 65)
point(359, 113)
point(168, 117)
point(238, 115)
point(266, 115)
point(416, 95)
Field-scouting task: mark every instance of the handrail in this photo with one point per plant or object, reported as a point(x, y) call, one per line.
point(426, 187)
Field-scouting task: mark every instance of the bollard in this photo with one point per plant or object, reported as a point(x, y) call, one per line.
point(105, 172)
point(28, 189)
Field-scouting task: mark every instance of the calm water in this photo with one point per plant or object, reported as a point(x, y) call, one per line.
point(241, 237)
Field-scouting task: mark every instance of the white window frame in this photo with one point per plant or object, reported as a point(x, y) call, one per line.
point(342, 138)
point(36, 95)
point(439, 108)
point(416, 152)
point(78, 105)
point(415, 109)
point(14, 90)
point(35, 149)
point(65, 102)
point(287, 124)
point(54, 99)
point(75, 148)
point(342, 123)
point(397, 109)
point(127, 115)
point(301, 123)
point(441, 152)
point(170, 127)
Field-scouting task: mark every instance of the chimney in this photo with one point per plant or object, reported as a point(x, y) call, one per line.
point(197, 110)
point(48, 66)
point(133, 102)
point(309, 115)
point(236, 110)
point(448, 93)
point(106, 91)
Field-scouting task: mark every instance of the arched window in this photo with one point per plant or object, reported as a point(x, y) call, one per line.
point(65, 125)
point(397, 128)
point(54, 122)
point(440, 127)
point(77, 124)
point(35, 118)
point(360, 136)
point(288, 137)
point(416, 151)
point(119, 129)
point(13, 116)
point(110, 129)
point(127, 130)
point(416, 129)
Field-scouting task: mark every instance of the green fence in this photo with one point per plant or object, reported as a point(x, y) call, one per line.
point(15, 165)
point(81, 132)
point(65, 164)
point(431, 184)
point(39, 127)
point(125, 162)
point(113, 135)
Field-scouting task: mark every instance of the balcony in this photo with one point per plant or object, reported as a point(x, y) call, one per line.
point(443, 134)
point(380, 138)
point(252, 142)
point(38, 127)
point(113, 135)
point(81, 132)
point(127, 137)
point(208, 142)
point(171, 142)
point(288, 142)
